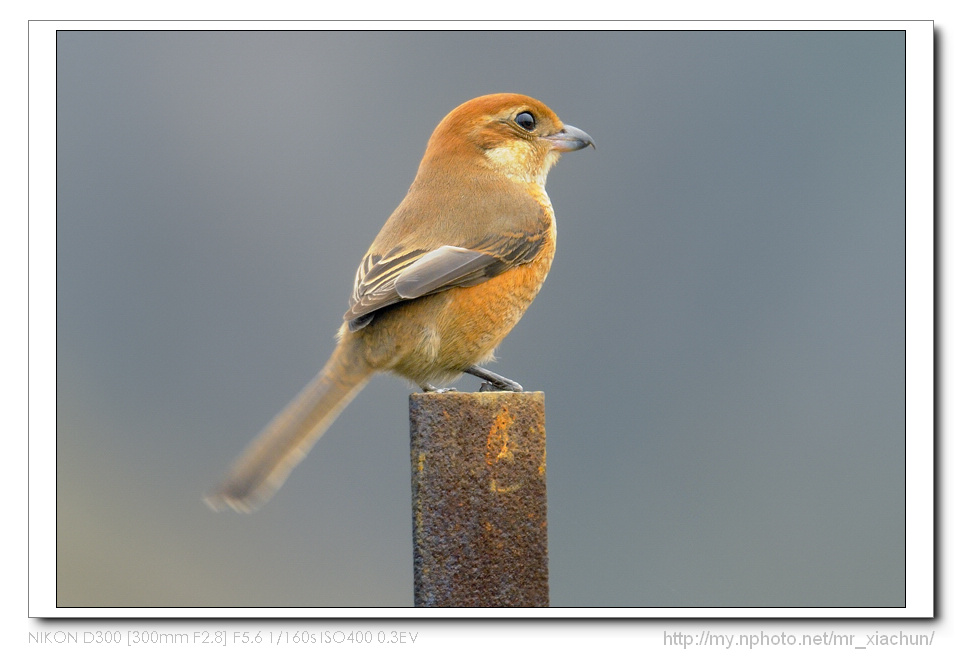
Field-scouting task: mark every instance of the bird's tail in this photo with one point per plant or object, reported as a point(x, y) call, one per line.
point(287, 439)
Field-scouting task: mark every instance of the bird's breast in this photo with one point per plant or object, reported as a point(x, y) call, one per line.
point(434, 338)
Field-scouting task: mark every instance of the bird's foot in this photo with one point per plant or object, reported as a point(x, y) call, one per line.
point(427, 388)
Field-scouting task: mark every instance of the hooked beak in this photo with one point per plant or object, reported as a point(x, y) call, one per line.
point(570, 138)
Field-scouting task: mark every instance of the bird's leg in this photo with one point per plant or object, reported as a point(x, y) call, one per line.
point(493, 381)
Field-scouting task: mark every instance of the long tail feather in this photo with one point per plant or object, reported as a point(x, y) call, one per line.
point(268, 460)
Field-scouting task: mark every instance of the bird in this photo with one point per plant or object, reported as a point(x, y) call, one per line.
point(447, 277)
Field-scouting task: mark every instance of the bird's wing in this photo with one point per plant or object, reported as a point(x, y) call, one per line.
point(404, 274)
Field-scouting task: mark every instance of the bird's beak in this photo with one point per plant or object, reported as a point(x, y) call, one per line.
point(570, 138)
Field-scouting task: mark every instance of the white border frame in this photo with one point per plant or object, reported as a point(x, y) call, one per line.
point(920, 425)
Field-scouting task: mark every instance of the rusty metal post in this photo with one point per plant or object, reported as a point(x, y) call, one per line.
point(480, 512)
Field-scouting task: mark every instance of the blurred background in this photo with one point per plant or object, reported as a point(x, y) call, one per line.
point(720, 342)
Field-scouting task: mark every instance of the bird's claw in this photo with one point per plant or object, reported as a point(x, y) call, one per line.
point(434, 389)
point(493, 387)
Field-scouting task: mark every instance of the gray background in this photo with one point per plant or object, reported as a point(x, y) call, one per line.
point(720, 341)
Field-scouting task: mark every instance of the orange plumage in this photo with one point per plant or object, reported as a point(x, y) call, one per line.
point(449, 275)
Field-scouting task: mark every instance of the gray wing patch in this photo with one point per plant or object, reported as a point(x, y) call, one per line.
point(443, 268)
point(382, 283)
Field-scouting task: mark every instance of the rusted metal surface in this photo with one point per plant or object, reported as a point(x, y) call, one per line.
point(479, 499)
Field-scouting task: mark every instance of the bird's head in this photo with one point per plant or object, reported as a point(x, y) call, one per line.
point(515, 135)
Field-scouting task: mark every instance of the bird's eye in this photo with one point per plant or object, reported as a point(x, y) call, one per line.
point(525, 120)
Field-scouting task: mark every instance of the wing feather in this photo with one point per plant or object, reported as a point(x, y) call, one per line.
point(403, 274)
